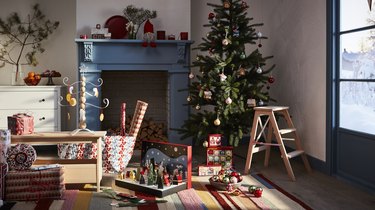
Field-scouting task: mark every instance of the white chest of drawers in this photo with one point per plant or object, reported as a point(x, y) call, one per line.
point(39, 101)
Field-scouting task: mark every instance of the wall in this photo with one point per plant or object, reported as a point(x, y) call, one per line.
point(296, 33)
point(172, 15)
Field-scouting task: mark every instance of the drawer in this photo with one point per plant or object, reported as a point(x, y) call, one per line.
point(28, 100)
point(42, 118)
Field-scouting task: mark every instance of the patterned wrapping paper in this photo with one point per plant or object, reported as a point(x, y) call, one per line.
point(35, 184)
point(4, 144)
point(21, 156)
point(21, 123)
point(3, 172)
point(117, 152)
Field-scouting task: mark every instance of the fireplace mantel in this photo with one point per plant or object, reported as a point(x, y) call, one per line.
point(172, 56)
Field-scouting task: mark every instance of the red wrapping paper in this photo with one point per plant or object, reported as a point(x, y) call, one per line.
point(21, 123)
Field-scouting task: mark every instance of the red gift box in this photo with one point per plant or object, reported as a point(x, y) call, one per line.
point(220, 156)
point(21, 123)
point(35, 184)
point(208, 170)
point(214, 140)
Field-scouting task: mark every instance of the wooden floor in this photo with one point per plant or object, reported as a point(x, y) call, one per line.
point(316, 189)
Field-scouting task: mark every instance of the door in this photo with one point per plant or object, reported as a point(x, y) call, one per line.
point(354, 83)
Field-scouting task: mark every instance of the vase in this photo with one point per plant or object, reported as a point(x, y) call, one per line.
point(17, 76)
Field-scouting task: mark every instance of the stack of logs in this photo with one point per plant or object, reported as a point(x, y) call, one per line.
point(150, 130)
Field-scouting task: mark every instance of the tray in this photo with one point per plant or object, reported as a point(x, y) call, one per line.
point(117, 26)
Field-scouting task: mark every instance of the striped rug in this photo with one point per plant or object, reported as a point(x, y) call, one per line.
point(202, 196)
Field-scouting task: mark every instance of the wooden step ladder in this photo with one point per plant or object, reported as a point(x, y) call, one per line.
point(265, 121)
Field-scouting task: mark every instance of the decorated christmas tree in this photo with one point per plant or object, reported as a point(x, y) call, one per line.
point(233, 78)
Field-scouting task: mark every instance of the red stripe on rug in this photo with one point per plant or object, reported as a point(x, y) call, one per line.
point(231, 200)
point(190, 199)
point(147, 197)
point(292, 197)
point(69, 197)
point(44, 204)
point(219, 199)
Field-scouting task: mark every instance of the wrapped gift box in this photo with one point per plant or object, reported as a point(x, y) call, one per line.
point(34, 184)
point(21, 123)
point(214, 140)
point(221, 156)
point(208, 170)
point(3, 171)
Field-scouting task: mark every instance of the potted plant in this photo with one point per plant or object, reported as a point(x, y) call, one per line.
point(21, 40)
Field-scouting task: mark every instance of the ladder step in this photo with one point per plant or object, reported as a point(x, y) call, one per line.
point(259, 149)
point(267, 144)
point(287, 130)
point(288, 139)
point(294, 153)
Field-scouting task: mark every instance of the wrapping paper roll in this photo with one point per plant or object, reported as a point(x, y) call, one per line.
point(4, 145)
point(21, 156)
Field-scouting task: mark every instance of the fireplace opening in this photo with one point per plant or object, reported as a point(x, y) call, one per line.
point(128, 87)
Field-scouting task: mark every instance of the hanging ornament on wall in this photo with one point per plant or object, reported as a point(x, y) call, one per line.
point(242, 55)
point(271, 79)
point(207, 94)
point(222, 77)
point(241, 72)
point(188, 98)
point(191, 75)
point(251, 102)
point(226, 4)
point(228, 100)
point(259, 70)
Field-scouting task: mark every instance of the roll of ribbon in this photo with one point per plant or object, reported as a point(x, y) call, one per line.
point(21, 156)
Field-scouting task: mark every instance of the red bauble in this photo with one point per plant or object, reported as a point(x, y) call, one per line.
point(271, 79)
point(234, 174)
point(239, 178)
point(211, 15)
point(260, 45)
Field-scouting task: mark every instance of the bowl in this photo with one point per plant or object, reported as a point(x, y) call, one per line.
point(32, 81)
point(223, 186)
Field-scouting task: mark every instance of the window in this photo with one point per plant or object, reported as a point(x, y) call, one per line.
point(356, 75)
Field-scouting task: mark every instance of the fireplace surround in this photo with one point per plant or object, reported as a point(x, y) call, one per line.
point(171, 56)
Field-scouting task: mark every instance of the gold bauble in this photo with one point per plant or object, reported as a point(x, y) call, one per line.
point(101, 117)
point(68, 97)
point(73, 102)
point(217, 122)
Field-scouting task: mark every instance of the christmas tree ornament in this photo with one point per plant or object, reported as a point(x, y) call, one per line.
point(236, 32)
point(205, 144)
point(197, 107)
point(260, 103)
point(222, 77)
point(243, 55)
point(211, 15)
point(226, 4)
point(96, 92)
point(244, 5)
point(258, 192)
point(207, 94)
point(252, 189)
point(225, 42)
point(68, 97)
point(268, 87)
point(260, 44)
point(101, 116)
point(259, 34)
point(259, 70)
point(73, 102)
point(197, 58)
point(228, 100)
point(188, 98)
point(217, 122)
point(251, 102)
point(191, 75)
point(241, 72)
point(271, 79)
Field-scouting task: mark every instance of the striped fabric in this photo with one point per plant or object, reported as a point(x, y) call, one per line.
point(139, 113)
point(201, 197)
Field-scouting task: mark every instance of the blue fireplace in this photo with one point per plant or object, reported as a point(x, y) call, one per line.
point(170, 56)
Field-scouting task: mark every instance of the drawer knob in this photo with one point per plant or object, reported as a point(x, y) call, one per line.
point(42, 118)
point(42, 100)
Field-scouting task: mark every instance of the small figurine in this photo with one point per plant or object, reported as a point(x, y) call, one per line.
point(142, 180)
point(159, 182)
